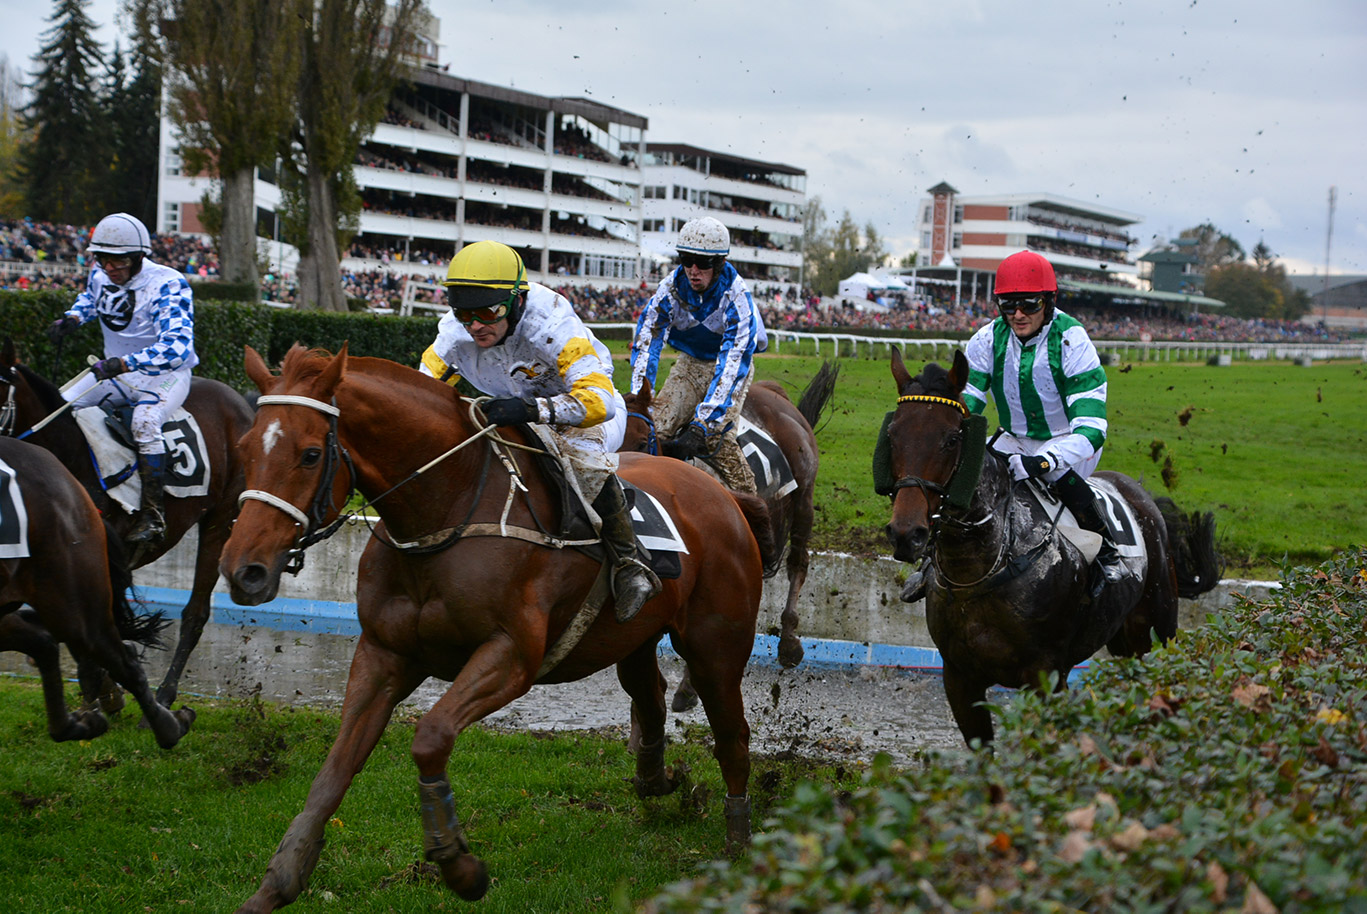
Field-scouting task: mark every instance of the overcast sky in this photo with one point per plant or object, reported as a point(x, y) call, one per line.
point(1241, 114)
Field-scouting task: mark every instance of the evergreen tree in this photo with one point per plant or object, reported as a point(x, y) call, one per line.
point(133, 109)
point(62, 166)
point(12, 135)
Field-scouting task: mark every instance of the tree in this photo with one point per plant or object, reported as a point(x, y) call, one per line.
point(133, 110)
point(834, 254)
point(233, 73)
point(64, 163)
point(12, 136)
point(1213, 247)
point(352, 51)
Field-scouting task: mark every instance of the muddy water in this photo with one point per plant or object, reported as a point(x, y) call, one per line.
point(835, 712)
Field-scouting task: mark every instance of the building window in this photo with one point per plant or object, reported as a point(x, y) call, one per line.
point(173, 163)
point(958, 214)
point(958, 241)
point(171, 217)
point(925, 215)
point(925, 241)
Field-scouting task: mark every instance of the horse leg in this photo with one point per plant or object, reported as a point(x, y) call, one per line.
point(640, 677)
point(378, 681)
point(789, 646)
point(212, 535)
point(719, 664)
point(120, 658)
point(685, 696)
point(496, 673)
point(966, 699)
point(98, 688)
point(18, 633)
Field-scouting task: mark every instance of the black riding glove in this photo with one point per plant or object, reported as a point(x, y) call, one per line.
point(690, 443)
point(511, 411)
point(108, 368)
point(62, 326)
point(1027, 466)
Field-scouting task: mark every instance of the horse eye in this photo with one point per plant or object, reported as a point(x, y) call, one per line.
point(311, 457)
point(953, 442)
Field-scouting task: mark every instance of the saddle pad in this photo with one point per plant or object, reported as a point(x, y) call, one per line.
point(655, 531)
point(1116, 511)
point(773, 475)
point(13, 516)
point(187, 464)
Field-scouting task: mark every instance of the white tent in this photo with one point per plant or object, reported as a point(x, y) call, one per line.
point(858, 287)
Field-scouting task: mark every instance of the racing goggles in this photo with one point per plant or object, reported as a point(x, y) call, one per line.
point(1009, 307)
point(698, 261)
point(486, 316)
point(113, 261)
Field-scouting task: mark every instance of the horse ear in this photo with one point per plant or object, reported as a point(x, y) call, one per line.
point(643, 395)
point(899, 370)
point(332, 375)
point(257, 371)
point(958, 375)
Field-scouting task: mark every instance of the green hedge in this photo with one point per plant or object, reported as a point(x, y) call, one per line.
point(1226, 771)
point(222, 329)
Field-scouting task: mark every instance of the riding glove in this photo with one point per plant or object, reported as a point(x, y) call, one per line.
point(511, 411)
point(690, 443)
point(108, 368)
point(1025, 466)
point(62, 326)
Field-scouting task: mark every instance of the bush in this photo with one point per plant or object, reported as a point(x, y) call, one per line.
point(1227, 770)
point(225, 291)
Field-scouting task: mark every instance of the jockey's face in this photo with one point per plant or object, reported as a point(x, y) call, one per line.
point(118, 267)
point(1014, 312)
point(487, 335)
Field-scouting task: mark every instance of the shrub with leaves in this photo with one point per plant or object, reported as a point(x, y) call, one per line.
point(1226, 771)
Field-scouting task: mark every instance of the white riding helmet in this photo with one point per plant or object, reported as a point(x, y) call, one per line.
point(120, 233)
point(704, 235)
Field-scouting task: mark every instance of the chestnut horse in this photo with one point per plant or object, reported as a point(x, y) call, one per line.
point(1007, 597)
point(465, 580)
point(767, 405)
point(75, 581)
point(223, 417)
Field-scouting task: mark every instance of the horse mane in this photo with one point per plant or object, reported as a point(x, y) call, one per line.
point(48, 394)
point(933, 381)
point(303, 364)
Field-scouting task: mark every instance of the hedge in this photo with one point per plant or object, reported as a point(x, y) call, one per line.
point(1226, 771)
point(222, 328)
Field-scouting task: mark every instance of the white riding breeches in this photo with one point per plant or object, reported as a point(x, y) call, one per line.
point(153, 397)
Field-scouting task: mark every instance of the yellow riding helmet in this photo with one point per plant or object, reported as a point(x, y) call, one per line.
point(483, 275)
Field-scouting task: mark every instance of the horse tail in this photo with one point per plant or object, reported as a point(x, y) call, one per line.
point(1191, 541)
point(144, 629)
point(756, 511)
point(817, 396)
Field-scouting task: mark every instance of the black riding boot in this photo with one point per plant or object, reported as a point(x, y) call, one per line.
point(1074, 492)
point(633, 583)
point(915, 587)
point(151, 525)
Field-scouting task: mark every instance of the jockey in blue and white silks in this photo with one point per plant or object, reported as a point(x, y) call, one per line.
point(704, 310)
point(147, 313)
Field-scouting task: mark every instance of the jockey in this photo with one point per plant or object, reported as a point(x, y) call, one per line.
point(147, 313)
point(1050, 389)
point(704, 310)
point(522, 343)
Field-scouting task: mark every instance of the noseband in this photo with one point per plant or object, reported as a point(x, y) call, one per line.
point(312, 522)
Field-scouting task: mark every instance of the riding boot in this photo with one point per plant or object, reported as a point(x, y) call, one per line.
point(1077, 495)
point(915, 587)
point(151, 525)
point(633, 583)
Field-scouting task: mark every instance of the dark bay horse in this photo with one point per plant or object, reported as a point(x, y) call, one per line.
point(1007, 597)
point(768, 406)
point(74, 581)
point(223, 417)
point(440, 593)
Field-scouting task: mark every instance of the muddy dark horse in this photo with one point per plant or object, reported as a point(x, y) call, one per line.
point(223, 417)
point(462, 582)
point(74, 581)
point(792, 428)
point(1007, 595)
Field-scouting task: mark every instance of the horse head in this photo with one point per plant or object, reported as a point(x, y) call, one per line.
point(291, 456)
point(26, 397)
point(640, 430)
point(925, 445)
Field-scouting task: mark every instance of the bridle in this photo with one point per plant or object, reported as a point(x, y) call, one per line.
point(926, 485)
point(8, 411)
point(313, 522)
point(652, 443)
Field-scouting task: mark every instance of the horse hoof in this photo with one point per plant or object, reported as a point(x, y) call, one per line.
point(467, 876)
point(112, 703)
point(84, 724)
point(684, 701)
point(790, 652)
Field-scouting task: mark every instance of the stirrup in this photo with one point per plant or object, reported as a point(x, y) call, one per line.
point(151, 528)
point(915, 588)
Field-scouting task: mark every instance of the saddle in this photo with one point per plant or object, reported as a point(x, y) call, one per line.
point(107, 430)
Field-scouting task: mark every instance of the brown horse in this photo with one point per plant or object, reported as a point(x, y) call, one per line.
point(465, 580)
point(791, 427)
point(75, 581)
point(1007, 598)
point(223, 417)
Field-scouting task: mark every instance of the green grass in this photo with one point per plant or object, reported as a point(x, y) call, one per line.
point(1277, 451)
point(117, 825)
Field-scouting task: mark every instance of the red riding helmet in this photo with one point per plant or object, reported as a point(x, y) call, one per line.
point(1025, 272)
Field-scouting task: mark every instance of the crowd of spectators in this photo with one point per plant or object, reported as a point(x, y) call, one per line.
point(42, 255)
